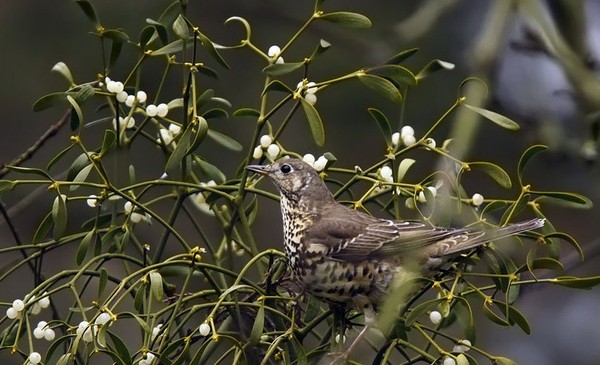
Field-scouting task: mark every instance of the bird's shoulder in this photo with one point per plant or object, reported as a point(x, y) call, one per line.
point(345, 233)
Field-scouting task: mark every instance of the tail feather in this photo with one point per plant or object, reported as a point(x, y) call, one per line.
point(468, 240)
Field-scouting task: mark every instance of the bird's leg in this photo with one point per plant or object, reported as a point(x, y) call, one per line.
point(369, 312)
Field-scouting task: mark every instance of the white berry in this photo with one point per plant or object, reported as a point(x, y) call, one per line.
point(407, 131)
point(12, 313)
point(477, 199)
point(396, 139)
point(320, 163)
point(18, 305)
point(449, 361)
point(385, 172)
point(257, 153)
point(102, 318)
point(34, 357)
point(204, 329)
point(309, 159)
point(409, 140)
point(435, 317)
point(273, 151)
point(311, 98)
point(162, 110)
point(274, 51)
point(141, 96)
point(151, 110)
point(38, 333)
point(122, 96)
point(265, 141)
point(49, 334)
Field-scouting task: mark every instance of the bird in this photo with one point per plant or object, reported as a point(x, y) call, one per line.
point(345, 256)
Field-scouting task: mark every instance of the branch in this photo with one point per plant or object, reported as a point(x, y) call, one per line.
point(50, 132)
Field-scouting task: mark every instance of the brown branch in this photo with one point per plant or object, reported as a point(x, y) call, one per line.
point(50, 132)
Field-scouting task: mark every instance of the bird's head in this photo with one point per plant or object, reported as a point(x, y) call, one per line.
point(294, 178)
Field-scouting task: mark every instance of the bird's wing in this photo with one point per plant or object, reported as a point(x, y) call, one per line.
point(351, 235)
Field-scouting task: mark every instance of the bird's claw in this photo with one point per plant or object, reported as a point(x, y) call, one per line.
point(338, 358)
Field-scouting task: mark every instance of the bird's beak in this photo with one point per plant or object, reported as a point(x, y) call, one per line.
point(259, 169)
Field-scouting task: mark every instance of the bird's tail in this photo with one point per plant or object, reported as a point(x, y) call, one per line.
point(477, 238)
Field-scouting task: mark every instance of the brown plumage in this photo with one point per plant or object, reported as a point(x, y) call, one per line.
point(342, 255)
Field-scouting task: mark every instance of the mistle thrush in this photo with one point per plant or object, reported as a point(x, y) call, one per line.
point(342, 255)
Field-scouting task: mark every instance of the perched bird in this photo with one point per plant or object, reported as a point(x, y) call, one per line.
point(342, 255)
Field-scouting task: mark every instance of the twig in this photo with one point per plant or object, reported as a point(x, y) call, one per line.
point(50, 132)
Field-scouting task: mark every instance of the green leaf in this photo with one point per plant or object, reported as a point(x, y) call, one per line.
point(314, 121)
point(118, 39)
point(76, 114)
point(175, 103)
point(43, 229)
point(575, 282)
point(59, 156)
point(56, 344)
point(6, 186)
point(569, 239)
point(140, 299)
point(515, 317)
point(499, 360)
point(403, 55)
point(102, 281)
point(312, 309)
point(348, 19)
point(210, 47)
point(514, 208)
point(50, 100)
point(160, 29)
point(77, 165)
point(570, 199)
point(59, 216)
point(109, 141)
point(382, 86)
point(83, 247)
point(84, 93)
point(421, 309)
point(224, 140)
point(321, 48)
point(278, 69)
point(173, 47)
point(499, 119)
point(215, 113)
point(63, 69)
point(180, 27)
point(493, 316)
point(90, 12)
point(494, 171)
point(200, 132)
point(526, 157)
point(434, 66)
point(210, 172)
point(276, 85)
point(246, 112)
point(174, 163)
point(259, 325)
point(146, 36)
point(156, 285)
point(30, 170)
point(121, 348)
point(547, 263)
point(383, 124)
point(399, 74)
point(81, 176)
point(403, 167)
point(207, 71)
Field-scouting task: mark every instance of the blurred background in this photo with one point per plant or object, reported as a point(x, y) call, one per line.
point(540, 61)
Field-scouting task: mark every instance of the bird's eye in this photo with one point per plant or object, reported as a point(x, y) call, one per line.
point(286, 168)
